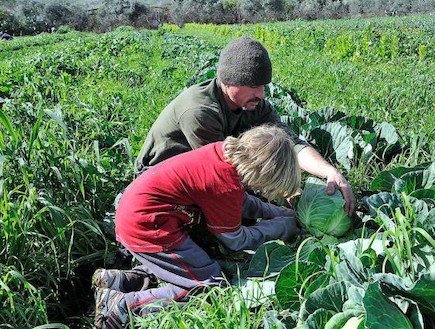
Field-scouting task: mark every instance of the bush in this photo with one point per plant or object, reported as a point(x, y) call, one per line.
point(58, 14)
point(204, 11)
point(8, 23)
point(31, 17)
point(63, 29)
point(114, 13)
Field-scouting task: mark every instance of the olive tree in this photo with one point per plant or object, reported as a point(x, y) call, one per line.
point(114, 13)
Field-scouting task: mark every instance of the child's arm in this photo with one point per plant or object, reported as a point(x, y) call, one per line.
point(254, 208)
point(251, 237)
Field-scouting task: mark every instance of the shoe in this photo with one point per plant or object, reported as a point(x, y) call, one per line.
point(123, 280)
point(110, 279)
point(111, 310)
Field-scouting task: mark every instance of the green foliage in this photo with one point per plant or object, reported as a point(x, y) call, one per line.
point(408, 191)
point(63, 29)
point(113, 13)
point(22, 303)
point(396, 88)
point(358, 278)
point(243, 11)
point(340, 138)
point(75, 110)
point(216, 308)
point(375, 300)
point(39, 16)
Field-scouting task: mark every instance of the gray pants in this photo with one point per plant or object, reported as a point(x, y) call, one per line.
point(186, 269)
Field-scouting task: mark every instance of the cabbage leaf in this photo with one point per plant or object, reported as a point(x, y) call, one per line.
point(321, 213)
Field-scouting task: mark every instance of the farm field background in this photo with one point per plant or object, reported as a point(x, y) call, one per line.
point(76, 108)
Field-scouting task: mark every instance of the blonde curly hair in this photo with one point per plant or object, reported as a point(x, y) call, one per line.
point(265, 160)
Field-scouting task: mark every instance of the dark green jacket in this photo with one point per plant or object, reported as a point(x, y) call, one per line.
point(196, 117)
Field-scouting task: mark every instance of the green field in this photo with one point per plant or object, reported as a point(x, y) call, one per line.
point(76, 108)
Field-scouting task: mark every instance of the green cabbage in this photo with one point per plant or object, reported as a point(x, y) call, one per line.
point(321, 213)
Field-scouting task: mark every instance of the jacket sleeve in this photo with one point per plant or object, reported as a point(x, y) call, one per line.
point(254, 208)
point(252, 237)
point(200, 127)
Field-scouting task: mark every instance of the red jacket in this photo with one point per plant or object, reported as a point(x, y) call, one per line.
point(155, 206)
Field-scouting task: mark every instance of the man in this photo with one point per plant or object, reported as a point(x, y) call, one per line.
point(227, 106)
point(204, 186)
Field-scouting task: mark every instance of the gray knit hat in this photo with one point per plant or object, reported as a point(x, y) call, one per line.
point(244, 62)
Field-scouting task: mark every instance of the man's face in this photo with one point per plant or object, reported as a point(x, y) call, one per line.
point(245, 97)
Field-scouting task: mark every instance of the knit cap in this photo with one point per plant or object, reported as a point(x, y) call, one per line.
point(244, 62)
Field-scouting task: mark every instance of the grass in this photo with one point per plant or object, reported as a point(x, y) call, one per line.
point(370, 67)
point(219, 308)
point(78, 106)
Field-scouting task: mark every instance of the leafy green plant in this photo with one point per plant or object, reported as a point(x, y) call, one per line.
point(404, 235)
point(342, 138)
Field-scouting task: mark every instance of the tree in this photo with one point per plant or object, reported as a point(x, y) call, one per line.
point(8, 23)
point(201, 11)
point(273, 9)
point(251, 11)
point(232, 10)
point(310, 9)
point(334, 9)
point(114, 13)
point(31, 17)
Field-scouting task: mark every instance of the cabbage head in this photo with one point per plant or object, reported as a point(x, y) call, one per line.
point(321, 213)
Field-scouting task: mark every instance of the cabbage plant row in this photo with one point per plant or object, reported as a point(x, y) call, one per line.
point(376, 270)
point(379, 275)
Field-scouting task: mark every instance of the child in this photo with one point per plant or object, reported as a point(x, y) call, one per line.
point(204, 185)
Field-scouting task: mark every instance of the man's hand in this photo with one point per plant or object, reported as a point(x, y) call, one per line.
point(337, 181)
point(312, 162)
